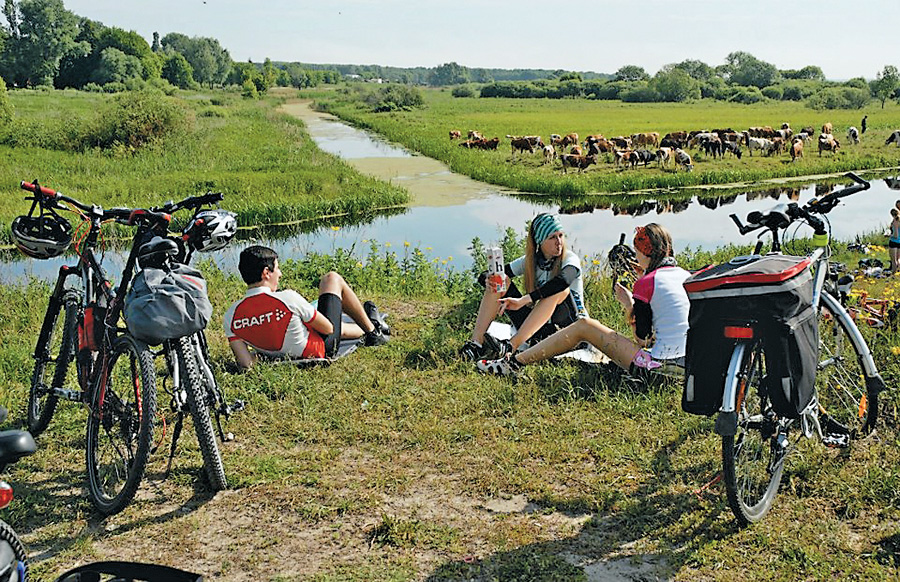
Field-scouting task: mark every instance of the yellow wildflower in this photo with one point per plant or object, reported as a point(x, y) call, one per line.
point(335, 228)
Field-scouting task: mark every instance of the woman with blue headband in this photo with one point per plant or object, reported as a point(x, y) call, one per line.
point(657, 310)
point(554, 293)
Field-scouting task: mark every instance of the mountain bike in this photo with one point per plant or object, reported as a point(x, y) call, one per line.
point(115, 375)
point(189, 379)
point(843, 404)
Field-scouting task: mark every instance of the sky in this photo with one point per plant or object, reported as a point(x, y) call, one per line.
point(845, 38)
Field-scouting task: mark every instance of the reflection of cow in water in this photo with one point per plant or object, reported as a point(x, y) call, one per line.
point(892, 183)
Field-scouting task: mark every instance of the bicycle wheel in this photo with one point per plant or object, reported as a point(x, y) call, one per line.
point(841, 379)
point(9, 536)
point(120, 425)
point(198, 390)
point(753, 458)
point(52, 356)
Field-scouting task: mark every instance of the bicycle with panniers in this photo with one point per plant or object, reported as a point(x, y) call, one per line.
point(115, 374)
point(188, 376)
point(774, 355)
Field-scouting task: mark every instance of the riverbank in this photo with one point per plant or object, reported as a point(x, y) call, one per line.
point(264, 161)
point(426, 131)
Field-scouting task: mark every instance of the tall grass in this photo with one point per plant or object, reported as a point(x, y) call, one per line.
point(426, 130)
point(265, 163)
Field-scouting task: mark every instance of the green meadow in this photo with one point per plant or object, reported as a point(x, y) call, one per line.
point(426, 130)
point(263, 161)
point(403, 463)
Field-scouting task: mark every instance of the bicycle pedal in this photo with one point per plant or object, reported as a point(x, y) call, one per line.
point(236, 406)
point(836, 441)
point(70, 395)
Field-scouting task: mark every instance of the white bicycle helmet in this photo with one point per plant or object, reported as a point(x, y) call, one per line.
point(42, 237)
point(211, 230)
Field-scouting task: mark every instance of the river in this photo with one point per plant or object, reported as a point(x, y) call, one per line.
point(448, 210)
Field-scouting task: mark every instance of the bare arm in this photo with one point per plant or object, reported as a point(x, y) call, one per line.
point(242, 354)
point(321, 324)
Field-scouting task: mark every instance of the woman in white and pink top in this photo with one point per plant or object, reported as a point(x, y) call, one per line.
point(657, 309)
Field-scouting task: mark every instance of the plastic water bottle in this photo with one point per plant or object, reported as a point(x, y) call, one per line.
point(496, 277)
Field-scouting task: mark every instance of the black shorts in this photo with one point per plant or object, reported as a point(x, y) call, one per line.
point(565, 314)
point(330, 306)
point(893, 245)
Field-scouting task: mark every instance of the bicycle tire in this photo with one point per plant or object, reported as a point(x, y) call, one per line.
point(752, 458)
point(120, 431)
point(9, 536)
point(197, 390)
point(840, 377)
point(51, 360)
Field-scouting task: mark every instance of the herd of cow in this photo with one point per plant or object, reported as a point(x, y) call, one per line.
point(646, 148)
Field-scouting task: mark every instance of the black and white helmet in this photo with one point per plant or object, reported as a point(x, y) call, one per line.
point(211, 230)
point(42, 237)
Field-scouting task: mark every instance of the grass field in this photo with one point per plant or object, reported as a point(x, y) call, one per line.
point(264, 162)
point(402, 463)
point(426, 130)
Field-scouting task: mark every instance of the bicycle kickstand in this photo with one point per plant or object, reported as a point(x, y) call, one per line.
point(176, 432)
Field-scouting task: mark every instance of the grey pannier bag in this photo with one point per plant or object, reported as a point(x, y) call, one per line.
point(165, 304)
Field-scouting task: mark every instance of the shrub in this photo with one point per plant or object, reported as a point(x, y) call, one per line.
point(249, 90)
point(839, 98)
point(395, 98)
point(114, 87)
point(463, 91)
point(775, 92)
point(6, 108)
point(92, 88)
point(135, 119)
point(746, 95)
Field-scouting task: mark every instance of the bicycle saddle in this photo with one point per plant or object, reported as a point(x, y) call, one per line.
point(154, 252)
point(15, 444)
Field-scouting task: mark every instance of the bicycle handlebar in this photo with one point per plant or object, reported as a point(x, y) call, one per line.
point(129, 216)
point(192, 202)
point(780, 216)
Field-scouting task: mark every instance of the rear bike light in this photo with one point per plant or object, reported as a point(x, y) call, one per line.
point(6, 494)
point(738, 332)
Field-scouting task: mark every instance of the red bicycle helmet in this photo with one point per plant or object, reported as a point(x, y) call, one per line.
point(42, 237)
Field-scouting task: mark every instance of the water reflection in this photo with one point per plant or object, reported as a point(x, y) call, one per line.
point(592, 226)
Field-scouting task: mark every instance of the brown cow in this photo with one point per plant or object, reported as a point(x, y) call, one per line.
point(591, 139)
point(828, 143)
point(682, 158)
point(621, 142)
point(663, 155)
point(455, 134)
point(576, 150)
point(601, 146)
point(796, 149)
point(828, 128)
point(475, 134)
point(809, 130)
point(549, 153)
point(626, 157)
point(521, 144)
point(573, 161)
point(650, 138)
point(569, 139)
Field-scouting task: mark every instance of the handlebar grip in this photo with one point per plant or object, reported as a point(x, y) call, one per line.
point(38, 189)
point(858, 180)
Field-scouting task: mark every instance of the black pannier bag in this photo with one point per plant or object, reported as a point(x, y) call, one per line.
point(772, 295)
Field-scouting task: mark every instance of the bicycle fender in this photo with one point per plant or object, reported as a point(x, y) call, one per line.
point(726, 423)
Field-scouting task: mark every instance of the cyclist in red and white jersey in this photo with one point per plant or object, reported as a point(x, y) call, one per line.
point(284, 324)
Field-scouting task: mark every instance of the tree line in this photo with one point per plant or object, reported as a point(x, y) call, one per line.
point(43, 44)
point(743, 78)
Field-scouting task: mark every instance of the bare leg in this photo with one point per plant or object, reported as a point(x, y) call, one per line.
point(487, 312)
point(333, 283)
point(619, 348)
point(540, 314)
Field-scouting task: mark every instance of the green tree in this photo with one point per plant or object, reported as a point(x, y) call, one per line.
point(269, 73)
point(747, 70)
point(449, 74)
point(131, 43)
point(117, 67)
point(177, 71)
point(40, 32)
point(210, 62)
point(77, 67)
point(886, 82)
point(808, 73)
point(675, 85)
point(696, 69)
point(631, 73)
